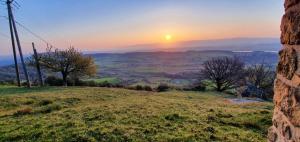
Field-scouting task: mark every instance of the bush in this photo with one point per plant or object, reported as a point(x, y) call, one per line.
point(162, 88)
point(23, 83)
point(148, 88)
point(45, 102)
point(105, 84)
point(139, 87)
point(119, 86)
point(92, 84)
point(54, 81)
point(7, 82)
point(78, 82)
point(198, 87)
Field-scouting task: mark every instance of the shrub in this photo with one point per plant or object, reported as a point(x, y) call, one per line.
point(79, 82)
point(23, 83)
point(198, 87)
point(148, 88)
point(119, 86)
point(92, 84)
point(54, 81)
point(7, 82)
point(139, 87)
point(163, 88)
point(45, 102)
point(105, 84)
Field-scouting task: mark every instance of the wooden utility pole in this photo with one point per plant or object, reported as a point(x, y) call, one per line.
point(37, 63)
point(14, 48)
point(11, 16)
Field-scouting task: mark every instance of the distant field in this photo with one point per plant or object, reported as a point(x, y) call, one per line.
point(153, 68)
point(102, 114)
point(173, 68)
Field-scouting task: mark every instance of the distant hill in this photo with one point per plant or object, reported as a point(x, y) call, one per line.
point(176, 68)
point(6, 60)
point(234, 44)
point(153, 68)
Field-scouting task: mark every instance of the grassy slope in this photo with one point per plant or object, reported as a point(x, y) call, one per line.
point(102, 114)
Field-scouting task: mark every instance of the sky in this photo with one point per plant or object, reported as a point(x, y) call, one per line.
point(110, 25)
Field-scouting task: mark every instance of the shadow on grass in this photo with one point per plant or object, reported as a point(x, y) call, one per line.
point(12, 90)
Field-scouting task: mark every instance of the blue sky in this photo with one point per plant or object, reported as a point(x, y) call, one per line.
point(101, 25)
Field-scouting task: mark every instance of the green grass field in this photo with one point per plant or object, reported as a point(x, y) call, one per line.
point(112, 80)
point(103, 114)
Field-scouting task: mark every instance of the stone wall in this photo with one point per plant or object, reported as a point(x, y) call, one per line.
point(286, 118)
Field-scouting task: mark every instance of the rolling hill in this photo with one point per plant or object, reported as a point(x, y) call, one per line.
point(153, 68)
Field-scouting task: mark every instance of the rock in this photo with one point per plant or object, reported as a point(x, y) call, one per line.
point(286, 117)
point(290, 26)
point(272, 135)
point(287, 65)
point(290, 3)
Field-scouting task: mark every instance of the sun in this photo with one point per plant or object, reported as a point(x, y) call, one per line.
point(168, 37)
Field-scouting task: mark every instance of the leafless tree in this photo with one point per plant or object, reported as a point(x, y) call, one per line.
point(261, 76)
point(225, 72)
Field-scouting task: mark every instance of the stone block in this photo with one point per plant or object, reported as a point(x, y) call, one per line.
point(288, 63)
point(290, 28)
point(290, 3)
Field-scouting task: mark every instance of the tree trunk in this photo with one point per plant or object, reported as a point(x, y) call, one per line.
point(219, 87)
point(65, 81)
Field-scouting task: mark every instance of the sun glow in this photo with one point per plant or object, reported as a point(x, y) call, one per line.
point(168, 37)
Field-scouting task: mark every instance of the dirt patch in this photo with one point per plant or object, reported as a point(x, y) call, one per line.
point(245, 100)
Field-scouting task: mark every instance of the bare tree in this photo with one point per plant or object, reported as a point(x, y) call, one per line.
point(225, 72)
point(262, 77)
point(68, 62)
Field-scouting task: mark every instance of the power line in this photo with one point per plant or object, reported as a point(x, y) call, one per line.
point(34, 34)
point(17, 6)
point(31, 32)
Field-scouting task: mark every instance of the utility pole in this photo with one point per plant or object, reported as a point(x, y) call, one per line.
point(37, 62)
point(14, 49)
point(11, 18)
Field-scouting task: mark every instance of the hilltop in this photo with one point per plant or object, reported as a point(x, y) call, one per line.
point(103, 114)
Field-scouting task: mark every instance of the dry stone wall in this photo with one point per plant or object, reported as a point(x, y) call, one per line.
point(286, 118)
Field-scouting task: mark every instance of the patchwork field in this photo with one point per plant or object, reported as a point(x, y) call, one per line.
point(178, 69)
point(103, 114)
